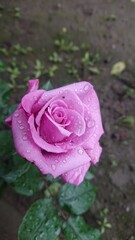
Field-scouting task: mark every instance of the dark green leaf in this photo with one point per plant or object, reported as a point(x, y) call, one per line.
point(6, 144)
point(48, 86)
point(25, 178)
point(41, 222)
point(78, 199)
point(77, 229)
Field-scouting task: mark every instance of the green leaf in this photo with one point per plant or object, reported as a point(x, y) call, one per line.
point(25, 178)
point(118, 68)
point(48, 86)
point(77, 199)
point(5, 88)
point(77, 229)
point(6, 144)
point(2, 66)
point(41, 222)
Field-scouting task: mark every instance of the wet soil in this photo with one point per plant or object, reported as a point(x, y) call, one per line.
point(87, 21)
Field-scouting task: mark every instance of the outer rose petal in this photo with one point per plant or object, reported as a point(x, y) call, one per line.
point(8, 121)
point(49, 163)
point(64, 162)
point(76, 176)
point(33, 85)
point(24, 143)
point(94, 153)
point(30, 99)
point(39, 141)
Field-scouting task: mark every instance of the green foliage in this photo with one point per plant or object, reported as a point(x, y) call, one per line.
point(55, 58)
point(38, 68)
point(126, 121)
point(47, 86)
point(77, 199)
point(41, 222)
point(24, 178)
point(77, 229)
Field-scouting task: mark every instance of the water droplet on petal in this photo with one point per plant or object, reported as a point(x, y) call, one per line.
point(21, 127)
point(19, 121)
point(53, 167)
point(90, 124)
point(35, 97)
point(64, 160)
point(28, 151)
point(86, 87)
point(16, 115)
point(24, 138)
point(80, 151)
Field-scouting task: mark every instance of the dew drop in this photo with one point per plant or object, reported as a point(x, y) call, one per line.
point(80, 151)
point(19, 121)
point(76, 90)
point(16, 115)
point(86, 87)
point(90, 124)
point(35, 97)
point(28, 151)
point(64, 160)
point(24, 133)
point(21, 127)
point(53, 167)
point(24, 138)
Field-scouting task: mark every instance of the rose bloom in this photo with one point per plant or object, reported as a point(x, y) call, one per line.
point(59, 130)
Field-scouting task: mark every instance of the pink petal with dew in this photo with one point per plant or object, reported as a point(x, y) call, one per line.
point(39, 141)
point(76, 176)
point(50, 131)
point(30, 99)
point(95, 153)
point(49, 163)
point(93, 108)
point(24, 143)
point(77, 123)
point(69, 97)
point(33, 85)
point(64, 162)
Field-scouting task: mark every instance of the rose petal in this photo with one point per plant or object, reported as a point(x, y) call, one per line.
point(76, 176)
point(30, 99)
point(77, 123)
point(39, 141)
point(33, 85)
point(51, 131)
point(64, 162)
point(8, 121)
point(91, 100)
point(94, 153)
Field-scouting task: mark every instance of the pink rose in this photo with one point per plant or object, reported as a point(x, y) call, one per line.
point(59, 130)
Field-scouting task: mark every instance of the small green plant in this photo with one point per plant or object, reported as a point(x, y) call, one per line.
point(104, 221)
point(126, 121)
point(66, 45)
point(17, 13)
point(13, 71)
point(39, 68)
point(50, 72)
point(18, 49)
point(71, 69)
point(55, 58)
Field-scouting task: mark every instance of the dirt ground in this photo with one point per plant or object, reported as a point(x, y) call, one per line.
point(88, 21)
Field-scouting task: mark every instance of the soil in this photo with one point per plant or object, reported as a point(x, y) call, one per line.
point(87, 21)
